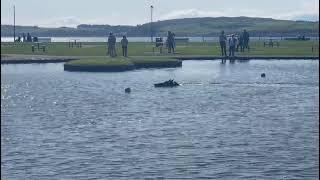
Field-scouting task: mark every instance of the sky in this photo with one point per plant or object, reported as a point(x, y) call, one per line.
point(70, 13)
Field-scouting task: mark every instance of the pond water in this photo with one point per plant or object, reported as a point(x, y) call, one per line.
point(224, 122)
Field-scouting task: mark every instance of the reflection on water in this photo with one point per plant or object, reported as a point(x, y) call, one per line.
point(225, 121)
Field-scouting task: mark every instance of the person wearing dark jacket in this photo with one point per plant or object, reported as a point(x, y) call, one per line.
point(112, 45)
point(246, 39)
point(29, 39)
point(170, 41)
point(124, 44)
point(223, 43)
point(109, 44)
point(240, 43)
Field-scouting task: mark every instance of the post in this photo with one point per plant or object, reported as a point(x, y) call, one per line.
point(151, 33)
point(14, 23)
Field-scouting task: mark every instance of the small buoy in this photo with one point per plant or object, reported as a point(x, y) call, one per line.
point(263, 75)
point(127, 90)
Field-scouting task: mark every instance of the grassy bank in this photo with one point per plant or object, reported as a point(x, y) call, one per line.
point(108, 64)
point(287, 48)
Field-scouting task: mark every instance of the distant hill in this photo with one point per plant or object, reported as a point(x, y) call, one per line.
point(206, 26)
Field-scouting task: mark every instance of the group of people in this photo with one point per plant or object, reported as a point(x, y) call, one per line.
point(112, 45)
point(26, 38)
point(234, 42)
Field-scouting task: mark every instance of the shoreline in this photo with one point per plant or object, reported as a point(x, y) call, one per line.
point(7, 59)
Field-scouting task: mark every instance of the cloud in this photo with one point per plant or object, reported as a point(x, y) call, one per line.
point(111, 19)
point(311, 6)
point(308, 11)
point(302, 14)
point(190, 13)
point(229, 12)
point(62, 21)
point(306, 17)
point(299, 16)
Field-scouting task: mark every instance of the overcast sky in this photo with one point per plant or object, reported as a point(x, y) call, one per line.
point(56, 13)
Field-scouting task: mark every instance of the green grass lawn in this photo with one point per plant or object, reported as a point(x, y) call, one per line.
point(287, 48)
point(102, 61)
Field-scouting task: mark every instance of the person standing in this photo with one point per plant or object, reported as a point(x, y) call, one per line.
point(109, 44)
point(173, 42)
point(24, 37)
point(246, 39)
point(240, 43)
point(232, 45)
point(170, 40)
point(113, 45)
point(29, 39)
point(223, 45)
point(124, 44)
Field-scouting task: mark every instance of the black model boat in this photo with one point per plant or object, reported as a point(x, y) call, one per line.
point(170, 83)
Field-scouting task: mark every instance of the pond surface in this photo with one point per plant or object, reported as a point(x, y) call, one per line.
point(224, 122)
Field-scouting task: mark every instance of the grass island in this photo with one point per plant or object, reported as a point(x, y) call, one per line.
point(108, 64)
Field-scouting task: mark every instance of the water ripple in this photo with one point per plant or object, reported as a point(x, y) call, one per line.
point(224, 122)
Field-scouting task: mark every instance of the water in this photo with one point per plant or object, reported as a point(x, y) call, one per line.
point(140, 39)
point(224, 122)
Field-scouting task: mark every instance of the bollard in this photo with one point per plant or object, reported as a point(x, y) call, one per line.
point(32, 48)
point(38, 44)
point(44, 48)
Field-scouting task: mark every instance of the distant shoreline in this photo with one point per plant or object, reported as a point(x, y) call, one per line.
point(192, 27)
